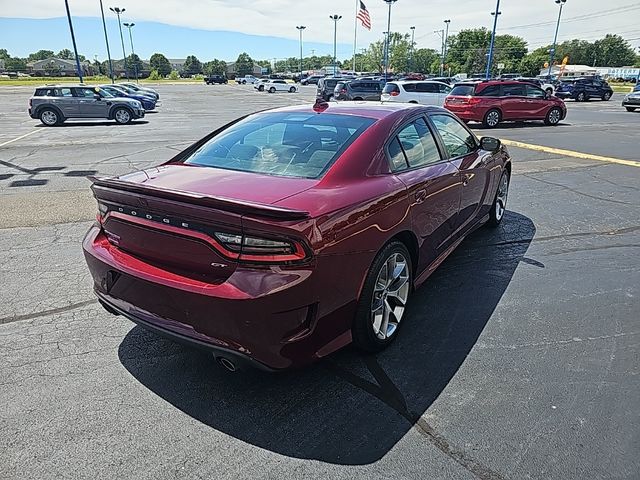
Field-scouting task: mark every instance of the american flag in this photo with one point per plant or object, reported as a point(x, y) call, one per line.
point(363, 16)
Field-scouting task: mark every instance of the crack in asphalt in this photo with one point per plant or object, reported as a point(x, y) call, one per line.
point(389, 394)
point(42, 313)
point(577, 192)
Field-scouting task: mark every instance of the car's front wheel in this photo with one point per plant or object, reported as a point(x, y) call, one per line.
point(261, 88)
point(272, 90)
point(630, 109)
point(122, 115)
point(606, 96)
point(383, 299)
point(581, 97)
point(553, 116)
point(292, 90)
point(499, 206)
point(50, 117)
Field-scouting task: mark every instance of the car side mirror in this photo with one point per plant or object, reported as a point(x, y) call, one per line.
point(97, 96)
point(490, 144)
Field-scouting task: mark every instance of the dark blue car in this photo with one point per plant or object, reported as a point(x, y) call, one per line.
point(148, 103)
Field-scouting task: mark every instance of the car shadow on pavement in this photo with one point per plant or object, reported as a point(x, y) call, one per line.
point(94, 124)
point(516, 125)
point(350, 408)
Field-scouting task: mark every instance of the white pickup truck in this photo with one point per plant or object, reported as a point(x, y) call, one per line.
point(250, 79)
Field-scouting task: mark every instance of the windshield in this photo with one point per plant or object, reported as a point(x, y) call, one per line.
point(299, 145)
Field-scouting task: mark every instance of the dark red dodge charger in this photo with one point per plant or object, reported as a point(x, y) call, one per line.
point(287, 234)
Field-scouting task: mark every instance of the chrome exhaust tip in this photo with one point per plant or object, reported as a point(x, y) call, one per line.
point(228, 364)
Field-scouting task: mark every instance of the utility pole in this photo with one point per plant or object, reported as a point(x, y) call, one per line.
point(118, 11)
point(386, 50)
point(106, 39)
point(446, 39)
point(413, 36)
point(441, 35)
point(73, 40)
point(335, 19)
point(300, 29)
point(555, 37)
point(133, 53)
point(493, 38)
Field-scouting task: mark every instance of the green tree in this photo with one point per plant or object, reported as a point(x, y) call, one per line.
point(40, 55)
point(15, 64)
point(192, 65)
point(160, 63)
point(532, 63)
point(66, 54)
point(134, 64)
point(244, 65)
point(613, 51)
point(424, 58)
point(51, 69)
point(215, 67)
point(4, 55)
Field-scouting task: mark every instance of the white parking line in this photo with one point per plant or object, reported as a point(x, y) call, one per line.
point(18, 138)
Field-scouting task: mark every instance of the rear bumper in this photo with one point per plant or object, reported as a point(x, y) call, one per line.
point(564, 95)
point(631, 102)
point(272, 317)
point(466, 113)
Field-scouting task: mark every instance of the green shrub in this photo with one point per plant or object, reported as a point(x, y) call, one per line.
point(154, 75)
point(174, 75)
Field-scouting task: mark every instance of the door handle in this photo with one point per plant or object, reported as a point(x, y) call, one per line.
point(420, 196)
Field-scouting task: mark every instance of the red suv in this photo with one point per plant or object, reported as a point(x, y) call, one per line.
point(494, 101)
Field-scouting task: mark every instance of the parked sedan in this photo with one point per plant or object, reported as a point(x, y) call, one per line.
point(584, 89)
point(142, 90)
point(148, 103)
point(631, 101)
point(293, 232)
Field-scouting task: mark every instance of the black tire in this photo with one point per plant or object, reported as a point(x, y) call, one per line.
point(549, 91)
point(50, 117)
point(606, 96)
point(630, 109)
point(495, 217)
point(261, 88)
point(292, 90)
point(413, 101)
point(492, 118)
point(122, 115)
point(582, 97)
point(272, 90)
point(244, 82)
point(554, 115)
point(364, 336)
point(357, 99)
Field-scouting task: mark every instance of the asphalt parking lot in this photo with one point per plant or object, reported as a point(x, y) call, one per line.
point(519, 357)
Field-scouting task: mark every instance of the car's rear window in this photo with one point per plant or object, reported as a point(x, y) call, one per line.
point(463, 90)
point(299, 145)
point(393, 88)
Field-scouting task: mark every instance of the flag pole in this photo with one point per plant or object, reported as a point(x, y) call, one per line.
point(355, 35)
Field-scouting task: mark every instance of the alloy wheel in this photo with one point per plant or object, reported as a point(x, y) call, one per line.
point(554, 116)
point(493, 118)
point(501, 199)
point(122, 116)
point(390, 295)
point(49, 117)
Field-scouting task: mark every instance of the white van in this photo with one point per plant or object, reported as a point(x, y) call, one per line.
point(424, 92)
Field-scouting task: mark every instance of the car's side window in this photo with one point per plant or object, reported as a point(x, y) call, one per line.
point(409, 87)
point(456, 138)
point(64, 92)
point(444, 88)
point(513, 90)
point(398, 160)
point(418, 144)
point(535, 92)
point(490, 91)
point(426, 88)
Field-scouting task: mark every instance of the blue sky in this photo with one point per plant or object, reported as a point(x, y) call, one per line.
point(17, 36)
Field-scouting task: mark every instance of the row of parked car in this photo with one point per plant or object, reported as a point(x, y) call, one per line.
point(122, 102)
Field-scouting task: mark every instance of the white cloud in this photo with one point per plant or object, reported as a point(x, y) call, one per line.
point(279, 17)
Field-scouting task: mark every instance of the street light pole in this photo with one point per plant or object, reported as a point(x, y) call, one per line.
point(441, 35)
point(106, 39)
point(446, 39)
point(555, 37)
point(118, 11)
point(413, 36)
point(335, 19)
point(73, 40)
point(386, 50)
point(133, 52)
point(493, 38)
point(300, 29)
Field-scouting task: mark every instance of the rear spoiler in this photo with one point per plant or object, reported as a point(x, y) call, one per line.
point(221, 203)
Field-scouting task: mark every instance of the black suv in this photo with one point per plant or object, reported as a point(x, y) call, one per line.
point(582, 89)
point(326, 86)
point(215, 79)
point(360, 90)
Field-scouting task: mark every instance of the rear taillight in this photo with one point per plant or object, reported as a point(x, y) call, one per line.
point(394, 93)
point(259, 249)
point(29, 103)
point(344, 90)
point(474, 100)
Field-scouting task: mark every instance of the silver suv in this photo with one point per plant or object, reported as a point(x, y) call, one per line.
point(53, 104)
